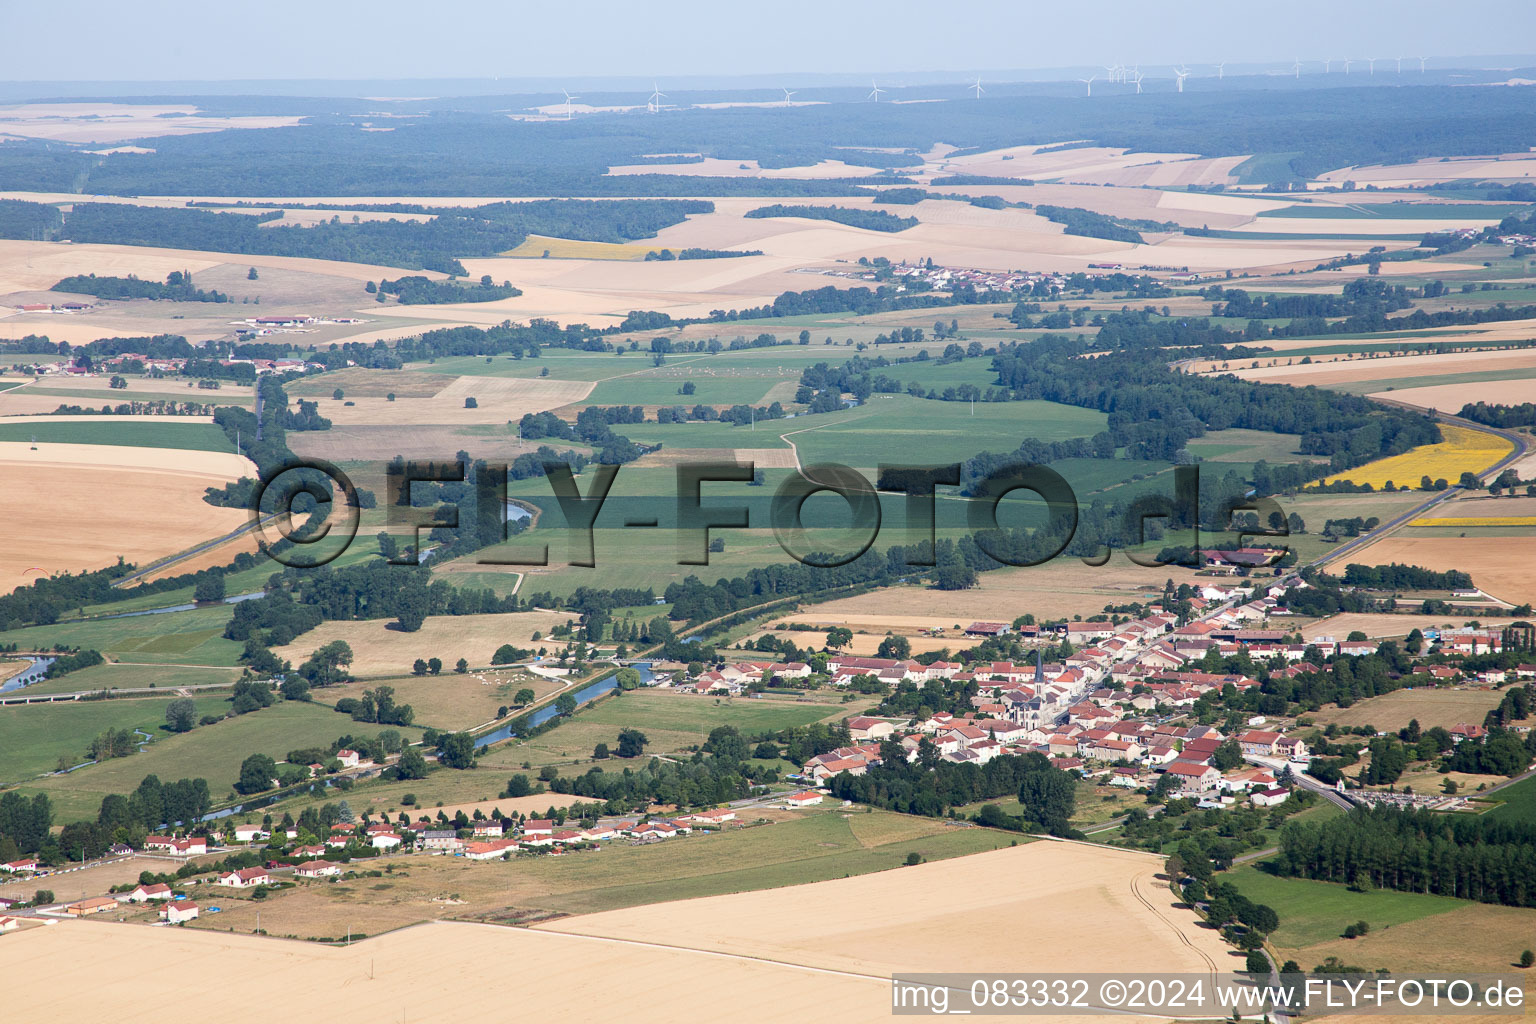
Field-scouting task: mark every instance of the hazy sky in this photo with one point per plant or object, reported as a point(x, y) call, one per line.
point(158, 40)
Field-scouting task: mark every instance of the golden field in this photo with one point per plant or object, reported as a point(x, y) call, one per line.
point(1463, 450)
point(1475, 521)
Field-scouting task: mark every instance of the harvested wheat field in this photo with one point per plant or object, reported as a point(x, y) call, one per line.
point(1430, 707)
point(1376, 625)
point(1427, 170)
point(957, 915)
point(223, 554)
point(1481, 511)
point(380, 651)
point(1500, 566)
point(120, 122)
point(64, 510)
point(1064, 586)
point(1464, 450)
point(455, 701)
point(1349, 371)
point(496, 400)
point(422, 975)
point(1451, 397)
point(68, 886)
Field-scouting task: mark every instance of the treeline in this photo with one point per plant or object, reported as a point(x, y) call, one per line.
point(1404, 577)
point(435, 244)
point(932, 786)
point(421, 291)
point(1089, 224)
point(298, 600)
point(1155, 411)
point(177, 287)
point(869, 220)
point(1505, 416)
point(1407, 850)
point(1362, 295)
point(664, 255)
point(715, 779)
point(64, 664)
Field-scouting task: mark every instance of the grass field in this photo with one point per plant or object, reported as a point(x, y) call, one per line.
point(1463, 450)
point(34, 738)
point(213, 752)
point(1397, 211)
point(1313, 912)
point(1410, 932)
point(134, 431)
point(111, 676)
point(901, 428)
point(670, 721)
point(175, 638)
point(1393, 711)
point(1517, 802)
point(451, 700)
point(795, 849)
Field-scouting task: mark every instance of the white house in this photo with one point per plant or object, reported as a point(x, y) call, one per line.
point(176, 913)
point(144, 893)
point(317, 869)
point(245, 878)
point(1269, 797)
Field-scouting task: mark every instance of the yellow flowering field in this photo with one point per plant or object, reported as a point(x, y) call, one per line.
point(1463, 450)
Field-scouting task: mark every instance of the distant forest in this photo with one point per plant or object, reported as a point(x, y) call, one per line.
point(870, 220)
point(473, 150)
point(434, 244)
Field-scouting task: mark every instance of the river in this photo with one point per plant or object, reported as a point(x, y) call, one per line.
point(591, 691)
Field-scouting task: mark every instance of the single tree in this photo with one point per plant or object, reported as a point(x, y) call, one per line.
point(411, 765)
point(181, 715)
point(631, 743)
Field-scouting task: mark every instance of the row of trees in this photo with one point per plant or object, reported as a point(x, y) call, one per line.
point(1474, 858)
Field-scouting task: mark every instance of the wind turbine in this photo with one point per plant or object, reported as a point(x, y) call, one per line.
point(976, 87)
point(1327, 65)
point(1221, 70)
point(1399, 65)
point(787, 94)
point(1371, 61)
point(1089, 83)
point(1112, 71)
point(568, 98)
point(1297, 67)
point(1421, 64)
point(1183, 73)
point(653, 103)
point(875, 92)
point(1347, 62)
point(1137, 80)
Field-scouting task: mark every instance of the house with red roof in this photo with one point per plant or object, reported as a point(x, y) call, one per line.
point(176, 913)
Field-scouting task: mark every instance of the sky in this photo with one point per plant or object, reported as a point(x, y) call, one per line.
point(577, 40)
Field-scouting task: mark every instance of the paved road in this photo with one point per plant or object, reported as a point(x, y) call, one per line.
point(1517, 453)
